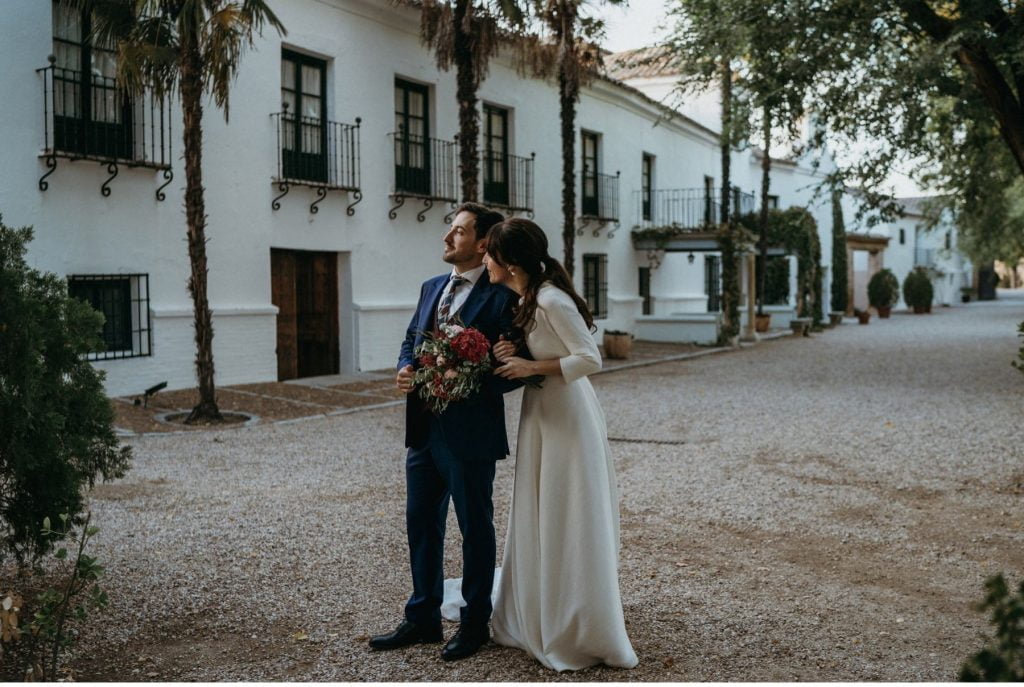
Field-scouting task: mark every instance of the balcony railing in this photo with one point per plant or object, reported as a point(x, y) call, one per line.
point(508, 181)
point(687, 208)
point(425, 168)
point(599, 200)
point(317, 153)
point(89, 117)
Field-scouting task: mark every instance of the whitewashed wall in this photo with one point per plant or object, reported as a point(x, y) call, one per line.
point(382, 262)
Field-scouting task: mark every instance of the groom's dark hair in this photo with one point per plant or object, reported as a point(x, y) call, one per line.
point(485, 218)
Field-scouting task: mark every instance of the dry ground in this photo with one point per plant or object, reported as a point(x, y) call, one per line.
point(807, 509)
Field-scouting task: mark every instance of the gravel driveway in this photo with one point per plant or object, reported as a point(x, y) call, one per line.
point(807, 509)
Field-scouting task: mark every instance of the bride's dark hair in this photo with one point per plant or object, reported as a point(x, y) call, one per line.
point(521, 243)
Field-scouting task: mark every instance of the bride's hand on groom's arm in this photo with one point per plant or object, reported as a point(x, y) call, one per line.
point(504, 349)
point(515, 367)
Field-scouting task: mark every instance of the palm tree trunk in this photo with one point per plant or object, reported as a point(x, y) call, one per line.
point(766, 166)
point(568, 90)
point(466, 89)
point(195, 215)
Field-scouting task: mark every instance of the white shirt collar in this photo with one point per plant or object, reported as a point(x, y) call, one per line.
point(471, 275)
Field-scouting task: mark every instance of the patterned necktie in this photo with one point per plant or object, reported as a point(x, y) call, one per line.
point(444, 311)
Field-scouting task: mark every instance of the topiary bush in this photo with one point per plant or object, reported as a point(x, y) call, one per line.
point(883, 289)
point(56, 423)
point(917, 290)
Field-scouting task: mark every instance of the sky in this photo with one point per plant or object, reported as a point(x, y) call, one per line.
point(640, 24)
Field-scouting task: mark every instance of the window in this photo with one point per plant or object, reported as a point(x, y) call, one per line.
point(903, 236)
point(90, 116)
point(412, 145)
point(709, 200)
point(713, 282)
point(590, 204)
point(304, 130)
point(496, 155)
point(595, 284)
point(123, 300)
point(646, 185)
point(645, 289)
point(773, 202)
point(949, 240)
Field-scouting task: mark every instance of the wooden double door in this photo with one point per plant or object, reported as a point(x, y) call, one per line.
point(304, 287)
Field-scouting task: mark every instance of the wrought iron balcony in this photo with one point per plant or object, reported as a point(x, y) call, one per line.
point(508, 181)
point(89, 117)
point(599, 200)
point(426, 169)
point(687, 208)
point(317, 153)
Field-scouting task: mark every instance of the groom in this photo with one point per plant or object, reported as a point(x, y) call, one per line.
point(452, 456)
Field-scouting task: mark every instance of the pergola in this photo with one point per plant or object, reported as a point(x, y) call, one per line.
point(707, 242)
point(875, 247)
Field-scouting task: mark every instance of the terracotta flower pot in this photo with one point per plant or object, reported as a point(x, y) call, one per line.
point(618, 345)
point(920, 309)
point(863, 317)
point(885, 312)
point(762, 322)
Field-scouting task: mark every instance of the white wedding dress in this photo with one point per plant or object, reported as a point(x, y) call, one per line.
point(556, 595)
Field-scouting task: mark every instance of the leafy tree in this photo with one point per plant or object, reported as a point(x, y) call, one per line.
point(56, 424)
point(1003, 659)
point(467, 34)
point(192, 47)
point(704, 47)
point(567, 49)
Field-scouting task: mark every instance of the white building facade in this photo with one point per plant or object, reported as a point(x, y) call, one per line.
point(327, 191)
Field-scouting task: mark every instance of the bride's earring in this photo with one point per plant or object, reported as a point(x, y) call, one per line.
point(512, 272)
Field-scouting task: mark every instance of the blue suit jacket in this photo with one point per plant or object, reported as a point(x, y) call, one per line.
point(474, 428)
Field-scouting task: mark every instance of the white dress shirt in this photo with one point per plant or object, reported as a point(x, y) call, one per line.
point(463, 289)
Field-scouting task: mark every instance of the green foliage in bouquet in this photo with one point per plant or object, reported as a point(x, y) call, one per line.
point(55, 420)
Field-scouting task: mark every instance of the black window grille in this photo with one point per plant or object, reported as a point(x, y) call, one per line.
point(687, 208)
point(713, 282)
point(903, 236)
point(123, 300)
point(496, 172)
point(773, 202)
point(711, 208)
point(591, 197)
point(304, 126)
point(595, 283)
point(949, 240)
point(645, 289)
point(87, 115)
point(413, 153)
point(646, 186)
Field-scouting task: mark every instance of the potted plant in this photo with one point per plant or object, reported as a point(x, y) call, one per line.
point(918, 291)
point(617, 344)
point(762, 322)
point(835, 318)
point(965, 294)
point(883, 291)
point(863, 316)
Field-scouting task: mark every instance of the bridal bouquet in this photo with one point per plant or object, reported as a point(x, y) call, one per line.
point(453, 363)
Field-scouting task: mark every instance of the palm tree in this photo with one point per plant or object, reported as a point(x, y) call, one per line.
point(467, 34)
point(575, 61)
point(192, 47)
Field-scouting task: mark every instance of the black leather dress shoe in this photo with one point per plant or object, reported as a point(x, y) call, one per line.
point(406, 634)
point(466, 642)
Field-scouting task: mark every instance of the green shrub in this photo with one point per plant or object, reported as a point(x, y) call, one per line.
point(839, 281)
point(1003, 659)
point(56, 422)
point(917, 289)
point(1019, 363)
point(883, 289)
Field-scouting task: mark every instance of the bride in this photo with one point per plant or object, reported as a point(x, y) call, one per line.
point(557, 595)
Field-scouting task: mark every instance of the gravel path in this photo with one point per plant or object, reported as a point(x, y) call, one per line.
point(807, 509)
